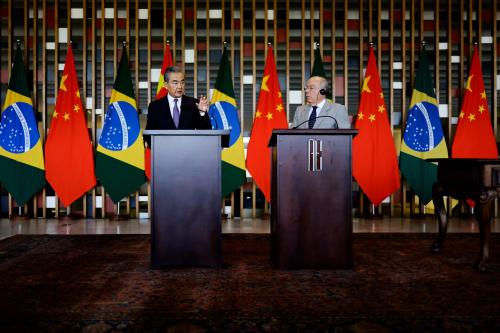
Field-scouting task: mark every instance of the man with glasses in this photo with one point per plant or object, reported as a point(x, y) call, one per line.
point(176, 110)
point(319, 112)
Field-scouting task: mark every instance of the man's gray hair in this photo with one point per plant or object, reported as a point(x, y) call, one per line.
point(169, 70)
point(323, 83)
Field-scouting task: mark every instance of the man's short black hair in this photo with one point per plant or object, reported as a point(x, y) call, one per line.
point(169, 70)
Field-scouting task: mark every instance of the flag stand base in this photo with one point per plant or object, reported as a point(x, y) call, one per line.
point(373, 217)
point(116, 217)
point(418, 216)
point(373, 213)
point(19, 217)
point(70, 217)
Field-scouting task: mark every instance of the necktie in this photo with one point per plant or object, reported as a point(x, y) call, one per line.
point(312, 117)
point(176, 114)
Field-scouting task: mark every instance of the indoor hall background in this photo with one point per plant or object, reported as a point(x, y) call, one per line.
point(196, 31)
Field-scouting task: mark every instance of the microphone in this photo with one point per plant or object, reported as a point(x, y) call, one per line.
point(334, 127)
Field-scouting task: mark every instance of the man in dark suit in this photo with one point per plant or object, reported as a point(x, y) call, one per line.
point(176, 110)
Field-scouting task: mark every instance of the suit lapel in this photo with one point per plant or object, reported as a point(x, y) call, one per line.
point(307, 110)
point(183, 111)
point(324, 112)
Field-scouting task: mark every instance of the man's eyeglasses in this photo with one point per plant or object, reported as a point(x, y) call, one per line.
point(306, 88)
point(178, 83)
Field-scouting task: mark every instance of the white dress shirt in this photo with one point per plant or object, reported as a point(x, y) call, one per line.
point(318, 109)
point(171, 104)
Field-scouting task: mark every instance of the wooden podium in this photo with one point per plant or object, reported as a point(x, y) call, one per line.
point(186, 197)
point(311, 213)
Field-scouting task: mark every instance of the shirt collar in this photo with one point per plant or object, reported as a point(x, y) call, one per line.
point(320, 105)
point(171, 100)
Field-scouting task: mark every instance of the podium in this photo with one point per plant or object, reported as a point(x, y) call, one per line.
point(311, 213)
point(186, 197)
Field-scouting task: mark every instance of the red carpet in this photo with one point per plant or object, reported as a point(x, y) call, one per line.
point(104, 284)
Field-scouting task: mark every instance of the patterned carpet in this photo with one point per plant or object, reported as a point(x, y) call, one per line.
point(104, 284)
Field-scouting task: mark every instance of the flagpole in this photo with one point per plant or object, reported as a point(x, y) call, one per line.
point(254, 187)
point(421, 207)
point(18, 42)
point(68, 208)
point(376, 210)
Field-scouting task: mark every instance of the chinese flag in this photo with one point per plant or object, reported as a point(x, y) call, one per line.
point(161, 91)
point(474, 137)
point(375, 164)
point(69, 160)
point(270, 115)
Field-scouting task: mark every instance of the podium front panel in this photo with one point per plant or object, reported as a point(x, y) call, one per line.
point(186, 194)
point(311, 224)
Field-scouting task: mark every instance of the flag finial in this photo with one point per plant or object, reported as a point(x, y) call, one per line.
point(371, 44)
point(423, 42)
point(18, 42)
point(124, 43)
point(168, 41)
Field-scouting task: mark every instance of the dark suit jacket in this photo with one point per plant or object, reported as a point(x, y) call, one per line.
point(160, 118)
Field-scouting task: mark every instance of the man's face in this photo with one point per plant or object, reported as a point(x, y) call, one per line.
point(175, 85)
point(312, 88)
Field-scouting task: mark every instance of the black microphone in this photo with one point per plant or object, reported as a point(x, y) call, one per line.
point(302, 123)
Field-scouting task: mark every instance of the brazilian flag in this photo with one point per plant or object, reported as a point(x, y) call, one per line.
point(22, 170)
point(120, 152)
point(224, 115)
point(423, 137)
point(319, 70)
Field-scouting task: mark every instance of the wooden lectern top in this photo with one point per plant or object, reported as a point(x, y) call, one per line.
point(223, 133)
point(319, 131)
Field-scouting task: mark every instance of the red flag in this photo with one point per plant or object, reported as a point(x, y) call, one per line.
point(69, 161)
point(270, 115)
point(375, 164)
point(474, 137)
point(161, 91)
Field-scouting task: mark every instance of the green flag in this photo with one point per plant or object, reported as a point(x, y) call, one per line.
point(224, 115)
point(22, 170)
point(120, 152)
point(423, 137)
point(319, 70)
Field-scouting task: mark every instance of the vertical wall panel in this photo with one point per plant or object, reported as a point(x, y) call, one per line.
point(44, 93)
point(100, 119)
point(403, 109)
point(333, 48)
point(197, 31)
point(345, 57)
point(94, 96)
point(56, 75)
